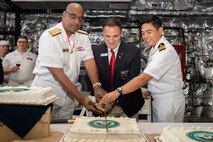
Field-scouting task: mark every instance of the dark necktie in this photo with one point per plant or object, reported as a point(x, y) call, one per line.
point(111, 68)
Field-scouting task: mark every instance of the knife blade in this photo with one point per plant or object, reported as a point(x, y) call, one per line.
point(71, 120)
point(106, 123)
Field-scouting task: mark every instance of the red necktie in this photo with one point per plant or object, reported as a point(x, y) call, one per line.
point(111, 69)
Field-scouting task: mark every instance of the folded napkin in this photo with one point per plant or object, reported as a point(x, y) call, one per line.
point(21, 118)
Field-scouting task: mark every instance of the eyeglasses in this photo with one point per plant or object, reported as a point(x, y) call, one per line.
point(22, 41)
point(74, 16)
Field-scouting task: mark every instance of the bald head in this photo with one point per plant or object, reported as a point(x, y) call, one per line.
point(72, 18)
point(74, 6)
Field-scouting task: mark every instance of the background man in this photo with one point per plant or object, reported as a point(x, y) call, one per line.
point(19, 64)
point(4, 49)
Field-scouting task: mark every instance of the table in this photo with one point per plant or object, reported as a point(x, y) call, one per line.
point(149, 129)
point(146, 128)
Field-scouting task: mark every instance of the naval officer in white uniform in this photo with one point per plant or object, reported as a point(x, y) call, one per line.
point(19, 64)
point(61, 51)
point(162, 74)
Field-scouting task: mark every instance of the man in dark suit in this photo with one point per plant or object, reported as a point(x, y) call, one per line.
point(127, 65)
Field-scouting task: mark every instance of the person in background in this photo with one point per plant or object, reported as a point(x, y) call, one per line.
point(162, 73)
point(62, 48)
point(127, 65)
point(19, 64)
point(4, 49)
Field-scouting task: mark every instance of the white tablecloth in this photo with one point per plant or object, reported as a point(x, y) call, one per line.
point(151, 130)
point(146, 128)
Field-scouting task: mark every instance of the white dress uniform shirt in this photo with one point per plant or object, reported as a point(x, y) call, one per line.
point(115, 52)
point(166, 85)
point(61, 52)
point(24, 75)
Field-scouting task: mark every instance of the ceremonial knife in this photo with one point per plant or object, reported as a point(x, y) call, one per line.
point(102, 107)
point(105, 115)
point(106, 123)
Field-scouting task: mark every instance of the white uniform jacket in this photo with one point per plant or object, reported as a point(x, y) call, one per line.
point(166, 85)
point(57, 50)
point(165, 68)
point(25, 73)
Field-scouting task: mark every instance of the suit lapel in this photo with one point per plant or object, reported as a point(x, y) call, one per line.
point(105, 58)
point(119, 57)
point(105, 62)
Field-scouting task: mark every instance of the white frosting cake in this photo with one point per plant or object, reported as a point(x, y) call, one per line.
point(26, 95)
point(89, 129)
point(193, 134)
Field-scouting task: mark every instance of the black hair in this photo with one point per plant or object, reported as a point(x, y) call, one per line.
point(156, 21)
point(111, 22)
point(22, 36)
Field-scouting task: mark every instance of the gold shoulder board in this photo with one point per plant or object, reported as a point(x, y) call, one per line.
point(82, 32)
point(55, 31)
point(161, 47)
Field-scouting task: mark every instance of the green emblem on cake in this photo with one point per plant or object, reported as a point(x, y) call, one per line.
point(102, 124)
point(13, 90)
point(201, 136)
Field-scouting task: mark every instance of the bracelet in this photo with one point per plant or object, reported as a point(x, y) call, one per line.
point(96, 84)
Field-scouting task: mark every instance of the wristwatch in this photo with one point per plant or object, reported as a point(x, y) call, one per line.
point(96, 84)
point(119, 89)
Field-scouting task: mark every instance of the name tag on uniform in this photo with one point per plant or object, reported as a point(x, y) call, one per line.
point(103, 54)
point(66, 50)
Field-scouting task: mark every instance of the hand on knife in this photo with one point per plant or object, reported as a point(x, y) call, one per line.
point(103, 106)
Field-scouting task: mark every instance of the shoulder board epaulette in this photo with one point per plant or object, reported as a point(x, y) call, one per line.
point(161, 47)
point(55, 31)
point(82, 32)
